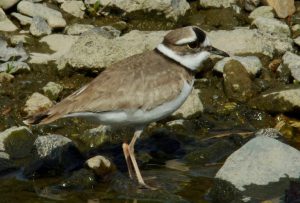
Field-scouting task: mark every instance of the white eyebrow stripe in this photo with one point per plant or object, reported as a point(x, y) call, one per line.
point(188, 39)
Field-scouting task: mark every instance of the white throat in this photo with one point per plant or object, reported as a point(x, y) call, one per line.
point(191, 61)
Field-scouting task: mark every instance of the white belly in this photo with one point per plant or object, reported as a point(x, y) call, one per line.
point(139, 116)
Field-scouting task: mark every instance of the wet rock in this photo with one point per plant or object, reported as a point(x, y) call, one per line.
point(17, 39)
point(251, 5)
point(269, 132)
point(292, 61)
point(100, 165)
point(191, 107)
point(5, 24)
point(52, 90)
point(14, 67)
point(5, 77)
point(237, 82)
point(58, 43)
point(9, 53)
point(296, 30)
point(272, 26)
point(95, 51)
point(283, 9)
point(278, 101)
point(108, 32)
point(171, 9)
point(53, 154)
point(39, 27)
point(248, 41)
point(37, 103)
point(260, 161)
point(17, 142)
point(6, 164)
point(251, 63)
point(217, 3)
point(262, 11)
point(78, 29)
point(24, 20)
point(75, 8)
point(6, 4)
point(53, 17)
point(82, 179)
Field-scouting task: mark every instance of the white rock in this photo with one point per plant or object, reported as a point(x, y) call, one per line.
point(78, 29)
point(75, 8)
point(170, 8)
point(39, 27)
point(248, 41)
point(7, 53)
point(16, 39)
point(251, 63)
point(262, 11)
point(58, 43)
point(260, 161)
point(217, 3)
point(6, 4)
point(95, 51)
point(53, 17)
point(37, 103)
point(24, 20)
point(100, 164)
point(191, 106)
point(13, 67)
point(292, 61)
point(52, 90)
point(5, 24)
point(272, 26)
point(297, 41)
point(250, 5)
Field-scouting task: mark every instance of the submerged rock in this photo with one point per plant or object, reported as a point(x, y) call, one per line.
point(52, 90)
point(283, 9)
point(171, 9)
point(262, 11)
point(5, 77)
point(53, 153)
point(272, 26)
point(92, 50)
point(17, 142)
point(14, 67)
point(6, 164)
point(53, 17)
point(39, 27)
point(279, 101)
point(37, 103)
point(251, 63)
point(9, 53)
point(5, 24)
point(17, 39)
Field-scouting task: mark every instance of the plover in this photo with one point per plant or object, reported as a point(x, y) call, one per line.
point(140, 89)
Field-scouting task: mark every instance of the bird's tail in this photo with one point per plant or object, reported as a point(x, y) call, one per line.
point(41, 118)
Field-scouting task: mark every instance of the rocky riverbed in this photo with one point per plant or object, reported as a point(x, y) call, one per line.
point(235, 139)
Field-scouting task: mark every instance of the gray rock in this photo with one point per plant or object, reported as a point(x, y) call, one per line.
point(262, 11)
point(292, 61)
point(272, 26)
point(53, 17)
point(37, 103)
point(278, 101)
point(260, 161)
point(78, 29)
point(237, 82)
point(95, 51)
point(39, 27)
point(14, 67)
point(58, 43)
point(6, 4)
point(6, 164)
point(5, 24)
point(217, 3)
point(17, 142)
point(250, 5)
point(24, 20)
point(248, 41)
point(53, 153)
point(52, 90)
point(269, 132)
point(9, 53)
point(108, 32)
point(251, 63)
point(171, 9)
point(191, 107)
point(75, 8)
point(100, 165)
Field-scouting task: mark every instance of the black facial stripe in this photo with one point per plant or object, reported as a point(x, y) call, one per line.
point(200, 34)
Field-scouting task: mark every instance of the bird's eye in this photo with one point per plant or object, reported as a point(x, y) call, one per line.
point(193, 45)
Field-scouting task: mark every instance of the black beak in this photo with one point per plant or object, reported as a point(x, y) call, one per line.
point(216, 51)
